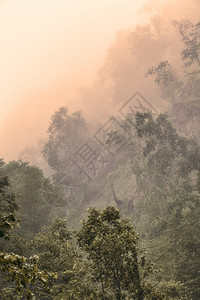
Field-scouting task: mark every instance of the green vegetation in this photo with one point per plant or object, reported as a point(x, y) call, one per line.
point(140, 238)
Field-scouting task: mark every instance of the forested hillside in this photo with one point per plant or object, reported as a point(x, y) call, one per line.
point(118, 215)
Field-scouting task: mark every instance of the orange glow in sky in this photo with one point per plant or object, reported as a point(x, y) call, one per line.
point(47, 46)
point(49, 49)
point(44, 41)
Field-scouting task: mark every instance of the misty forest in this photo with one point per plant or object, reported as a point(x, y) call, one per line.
point(110, 209)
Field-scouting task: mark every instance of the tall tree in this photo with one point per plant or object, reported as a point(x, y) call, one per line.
point(166, 169)
point(19, 276)
point(37, 194)
point(115, 264)
point(66, 133)
point(183, 91)
point(8, 204)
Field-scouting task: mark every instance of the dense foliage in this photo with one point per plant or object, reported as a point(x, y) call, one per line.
point(153, 181)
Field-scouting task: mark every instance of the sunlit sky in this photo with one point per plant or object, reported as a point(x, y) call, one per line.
point(49, 47)
point(42, 41)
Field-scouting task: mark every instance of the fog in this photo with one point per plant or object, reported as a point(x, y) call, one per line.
point(52, 53)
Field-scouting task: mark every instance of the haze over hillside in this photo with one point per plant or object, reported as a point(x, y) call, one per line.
point(51, 53)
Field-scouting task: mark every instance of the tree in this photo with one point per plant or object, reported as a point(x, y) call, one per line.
point(66, 133)
point(190, 34)
point(8, 207)
point(37, 194)
point(24, 279)
point(19, 273)
point(166, 169)
point(183, 91)
point(8, 203)
point(56, 252)
point(111, 246)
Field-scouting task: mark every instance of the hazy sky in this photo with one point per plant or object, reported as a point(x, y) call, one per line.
point(42, 41)
point(50, 48)
point(46, 45)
